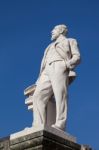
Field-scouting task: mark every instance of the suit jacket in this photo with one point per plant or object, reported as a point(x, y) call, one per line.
point(68, 49)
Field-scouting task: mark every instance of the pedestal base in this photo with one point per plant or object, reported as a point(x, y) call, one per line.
point(44, 139)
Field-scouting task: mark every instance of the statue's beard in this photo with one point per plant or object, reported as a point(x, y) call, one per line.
point(53, 38)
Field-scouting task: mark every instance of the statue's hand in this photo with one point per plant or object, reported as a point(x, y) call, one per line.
point(68, 65)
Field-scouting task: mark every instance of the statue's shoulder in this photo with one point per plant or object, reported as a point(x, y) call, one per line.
point(47, 48)
point(49, 45)
point(72, 40)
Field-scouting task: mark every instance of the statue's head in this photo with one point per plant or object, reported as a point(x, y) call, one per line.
point(58, 30)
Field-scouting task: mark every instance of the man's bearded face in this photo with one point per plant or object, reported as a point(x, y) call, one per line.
point(55, 33)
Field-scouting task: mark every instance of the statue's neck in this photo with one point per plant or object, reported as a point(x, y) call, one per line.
point(61, 37)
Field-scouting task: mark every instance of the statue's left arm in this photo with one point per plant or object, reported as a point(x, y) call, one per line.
point(69, 52)
point(75, 54)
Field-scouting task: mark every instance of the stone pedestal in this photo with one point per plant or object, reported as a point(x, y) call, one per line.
point(5, 143)
point(45, 139)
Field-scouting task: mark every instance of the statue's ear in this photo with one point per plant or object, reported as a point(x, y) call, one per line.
point(61, 30)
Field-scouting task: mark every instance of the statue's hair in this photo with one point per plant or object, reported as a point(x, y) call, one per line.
point(63, 28)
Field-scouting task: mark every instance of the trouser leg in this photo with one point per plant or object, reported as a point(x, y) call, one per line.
point(60, 87)
point(60, 93)
point(41, 96)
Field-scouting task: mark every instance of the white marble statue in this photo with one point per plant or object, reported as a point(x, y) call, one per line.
point(56, 73)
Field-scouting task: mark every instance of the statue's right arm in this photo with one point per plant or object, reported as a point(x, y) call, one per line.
point(42, 65)
point(41, 69)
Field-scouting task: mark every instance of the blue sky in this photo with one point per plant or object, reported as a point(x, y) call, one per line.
point(25, 27)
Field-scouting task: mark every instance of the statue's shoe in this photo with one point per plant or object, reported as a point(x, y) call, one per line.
point(57, 127)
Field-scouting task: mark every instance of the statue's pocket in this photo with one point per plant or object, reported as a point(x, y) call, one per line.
point(62, 65)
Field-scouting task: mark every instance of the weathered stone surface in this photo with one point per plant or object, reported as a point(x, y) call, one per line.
point(48, 129)
point(4, 144)
point(43, 140)
point(40, 140)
